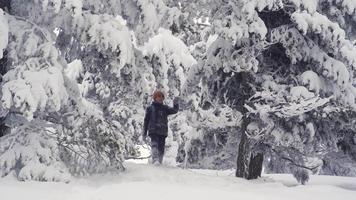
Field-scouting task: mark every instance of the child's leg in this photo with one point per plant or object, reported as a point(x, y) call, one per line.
point(161, 147)
point(155, 149)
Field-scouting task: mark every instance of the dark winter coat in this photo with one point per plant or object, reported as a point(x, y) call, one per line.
point(156, 118)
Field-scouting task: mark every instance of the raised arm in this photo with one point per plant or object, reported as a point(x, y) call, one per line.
point(175, 108)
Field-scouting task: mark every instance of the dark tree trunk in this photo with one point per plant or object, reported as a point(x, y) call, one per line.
point(248, 165)
point(255, 167)
point(243, 153)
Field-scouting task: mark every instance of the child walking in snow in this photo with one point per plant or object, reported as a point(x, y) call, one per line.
point(156, 124)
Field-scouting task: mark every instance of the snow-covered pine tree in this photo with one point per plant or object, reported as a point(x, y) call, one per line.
point(107, 57)
point(303, 68)
point(64, 96)
point(286, 66)
point(31, 54)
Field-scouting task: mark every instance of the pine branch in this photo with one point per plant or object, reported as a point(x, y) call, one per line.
point(137, 158)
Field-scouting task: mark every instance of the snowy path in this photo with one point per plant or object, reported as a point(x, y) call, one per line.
point(147, 182)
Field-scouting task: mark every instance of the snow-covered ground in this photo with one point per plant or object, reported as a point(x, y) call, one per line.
point(145, 182)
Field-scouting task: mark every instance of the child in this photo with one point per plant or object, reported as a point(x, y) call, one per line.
point(156, 124)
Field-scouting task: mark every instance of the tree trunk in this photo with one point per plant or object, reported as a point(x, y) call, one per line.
point(248, 165)
point(255, 166)
point(243, 153)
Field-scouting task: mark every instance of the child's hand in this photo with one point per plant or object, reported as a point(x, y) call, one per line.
point(176, 100)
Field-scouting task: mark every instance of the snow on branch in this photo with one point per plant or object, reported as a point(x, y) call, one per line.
point(173, 55)
point(167, 44)
point(107, 33)
point(34, 57)
point(337, 75)
point(237, 20)
point(30, 153)
point(329, 31)
point(27, 93)
point(290, 109)
point(154, 14)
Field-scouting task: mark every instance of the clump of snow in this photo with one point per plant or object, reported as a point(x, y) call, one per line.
point(24, 90)
point(350, 97)
point(151, 18)
point(18, 94)
point(241, 21)
point(35, 80)
point(219, 117)
point(312, 81)
point(300, 93)
point(90, 109)
point(311, 130)
point(350, 5)
point(329, 31)
point(317, 22)
point(253, 130)
point(309, 5)
point(167, 44)
point(87, 84)
point(102, 90)
point(74, 69)
point(152, 15)
point(210, 40)
point(302, 106)
point(270, 85)
point(29, 153)
point(107, 33)
point(173, 56)
point(336, 71)
point(4, 32)
point(258, 26)
point(335, 76)
point(251, 5)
